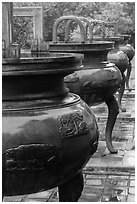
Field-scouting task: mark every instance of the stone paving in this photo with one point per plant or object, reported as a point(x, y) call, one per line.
point(107, 177)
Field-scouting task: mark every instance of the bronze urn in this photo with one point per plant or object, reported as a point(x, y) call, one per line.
point(124, 45)
point(121, 55)
point(48, 134)
point(129, 50)
point(98, 80)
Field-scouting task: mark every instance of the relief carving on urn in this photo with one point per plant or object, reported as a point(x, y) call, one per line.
point(72, 125)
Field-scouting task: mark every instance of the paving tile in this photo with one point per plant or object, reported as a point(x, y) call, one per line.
point(119, 183)
point(130, 153)
point(122, 199)
point(111, 161)
point(54, 200)
point(132, 190)
point(93, 189)
point(119, 194)
point(108, 190)
point(131, 198)
point(132, 182)
point(130, 145)
point(91, 194)
point(91, 176)
point(94, 182)
point(118, 177)
point(104, 163)
point(110, 198)
point(129, 162)
point(13, 198)
point(41, 195)
point(94, 162)
point(90, 198)
point(34, 200)
point(118, 171)
point(132, 177)
point(111, 184)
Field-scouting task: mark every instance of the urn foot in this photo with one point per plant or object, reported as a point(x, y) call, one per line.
point(71, 190)
point(113, 110)
point(121, 92)
point(128, 76)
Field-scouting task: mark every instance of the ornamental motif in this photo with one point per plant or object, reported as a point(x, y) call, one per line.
point(72, 125)
point(29, 157)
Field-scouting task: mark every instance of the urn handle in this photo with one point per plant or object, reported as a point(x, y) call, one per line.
point(72, 18)
point(88, 25)
point(101, 27)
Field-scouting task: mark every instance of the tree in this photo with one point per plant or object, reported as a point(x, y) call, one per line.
point(124, 12)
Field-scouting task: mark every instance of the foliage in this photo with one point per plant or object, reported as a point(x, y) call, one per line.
point(23, 32)
point(124, 12)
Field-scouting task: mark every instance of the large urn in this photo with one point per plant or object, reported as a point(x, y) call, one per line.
point(122, 56)
point(124, 42)
point(121, 60)
point(118, 55)
point(130, 52)
point(48, 134)
point(98, 80)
